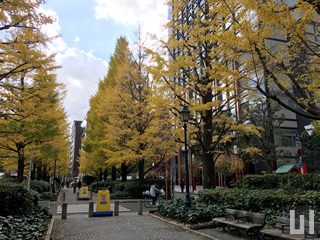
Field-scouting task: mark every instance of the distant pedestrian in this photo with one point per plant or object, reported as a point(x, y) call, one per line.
point(74, 186)
point(79, 185)
point(182, 185)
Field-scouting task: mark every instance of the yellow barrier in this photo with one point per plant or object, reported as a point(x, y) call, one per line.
point(103, 204)
point(84, 194)
point(103, 201)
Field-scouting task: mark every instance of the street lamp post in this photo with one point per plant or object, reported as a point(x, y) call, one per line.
point(184, 114)
point(54, 176)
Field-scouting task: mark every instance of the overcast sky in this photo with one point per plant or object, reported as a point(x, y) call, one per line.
point(89, 30)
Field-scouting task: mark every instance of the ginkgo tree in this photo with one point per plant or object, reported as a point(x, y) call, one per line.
point(30, 97)
point(136, 132)
point(20, 27)
point(279, 42)
point(92, 158)
point(194, 68)
point(33, 116)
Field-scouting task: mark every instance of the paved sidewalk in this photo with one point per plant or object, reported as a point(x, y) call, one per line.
point(128, 225)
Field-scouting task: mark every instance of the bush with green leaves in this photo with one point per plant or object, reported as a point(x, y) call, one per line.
point(25, 227)
point(16, 199)
point(49, 196)
point(284, 181)
point(40, 186)
point(126, 189)
point(96, 186)
point(88, 179)
point(199, 212)
point(271, 202)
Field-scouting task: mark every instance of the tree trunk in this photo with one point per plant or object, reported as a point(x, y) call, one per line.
point(141, 170)
point(124, 172)
point(113, 173)
point(105, 174)
point(207, 153)
point(20, 148)
point(100, 175)
point(272, 166)
point(33, 172)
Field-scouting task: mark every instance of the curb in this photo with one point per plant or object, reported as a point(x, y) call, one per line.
point(49, 231)
point(185, 228)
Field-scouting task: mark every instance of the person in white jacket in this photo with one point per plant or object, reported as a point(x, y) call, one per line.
point(154, 193)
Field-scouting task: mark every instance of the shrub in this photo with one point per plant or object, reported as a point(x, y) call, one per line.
point(126, 189)
point(88, 179)
point(271, 202)
point(290, 182)
point(199, 212)
point(48, 196)
point(16, 199)
point(96, 186)
point(25, 227)
point(40, 186)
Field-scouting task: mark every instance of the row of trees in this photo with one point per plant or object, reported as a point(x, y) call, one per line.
point(220, 56)
point(129, 126)
point(33, 123)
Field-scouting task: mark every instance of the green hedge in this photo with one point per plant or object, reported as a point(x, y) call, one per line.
point(40, 186)
point(284, 181)
point(199, 211)
point(271, 202)
point(126, 189)
point(16, 199)
point(211, 203)
point(257, 200)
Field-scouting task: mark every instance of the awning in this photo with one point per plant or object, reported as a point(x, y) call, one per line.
point(286, 168)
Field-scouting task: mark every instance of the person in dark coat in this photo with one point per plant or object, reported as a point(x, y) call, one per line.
point(79, 185)
point(182, 185)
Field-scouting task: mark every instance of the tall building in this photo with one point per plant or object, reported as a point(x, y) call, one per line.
point(75, 146)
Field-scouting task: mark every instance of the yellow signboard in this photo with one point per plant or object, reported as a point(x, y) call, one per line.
point(103, 201)
point(84, 193)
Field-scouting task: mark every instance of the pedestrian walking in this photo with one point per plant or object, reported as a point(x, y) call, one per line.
point(74, 186)
point(182, 185)
point(154, 193)
point(79, 185)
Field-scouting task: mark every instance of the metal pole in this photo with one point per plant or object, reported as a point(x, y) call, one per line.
point(91, 209)
point(54, 176)
point(116, 208)
point(30, 167)
point(140, 207)
point(64, 211)
point(188, 199)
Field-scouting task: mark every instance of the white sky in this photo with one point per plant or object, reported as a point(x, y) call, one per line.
point(89, 30)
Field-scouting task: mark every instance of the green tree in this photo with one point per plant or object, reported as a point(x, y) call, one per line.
point(267, 116)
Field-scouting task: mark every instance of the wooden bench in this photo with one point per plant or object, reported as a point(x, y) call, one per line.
point(282, 230)
point(237, 220)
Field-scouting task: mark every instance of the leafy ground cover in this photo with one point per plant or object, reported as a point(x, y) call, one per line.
point(20, 216)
